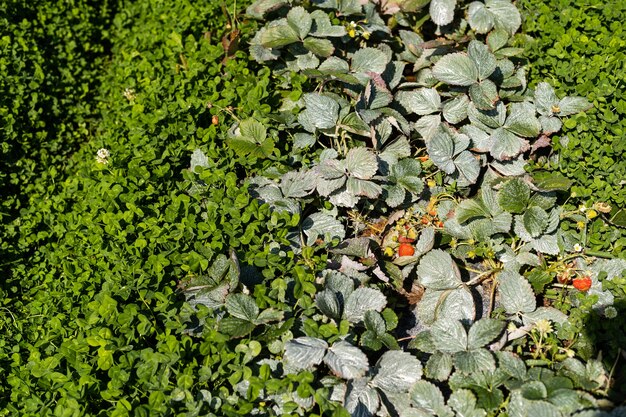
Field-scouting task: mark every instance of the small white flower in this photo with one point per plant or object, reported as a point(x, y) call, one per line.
point(102, 156)
point(543, 326)
point(129, 93)
point(103, 153)
point(578, 247)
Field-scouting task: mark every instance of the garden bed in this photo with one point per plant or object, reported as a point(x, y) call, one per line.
point(326, 208)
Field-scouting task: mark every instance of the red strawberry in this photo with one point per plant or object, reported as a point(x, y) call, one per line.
point(406, 249)
point(582, 284)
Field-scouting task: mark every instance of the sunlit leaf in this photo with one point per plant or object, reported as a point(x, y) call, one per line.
point(320, 47)
point(346, 361)
point(278, 33)
point(483, 332)
point(322, 111)
point(442, 11)
point(361, 163)
point(362, 300)
point(449, 335)
point(441, 150)
point(397, 371)
point(305, 352)
point(479, 17)
point(455, 110)
point(300, 21)
point(369, 60)
point(423, 101)
point(474, 361)
point(427, 396)
point(484, 60)
point(516, 294)
point(324, 225)
point(456, 69)
point(438, 271)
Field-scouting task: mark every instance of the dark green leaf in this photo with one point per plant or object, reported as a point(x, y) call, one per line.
point(484, 95)
point(514, 196)
point(242, 306)
point(279, 34)
point(236, 327)
point(374, 322)
point(535, 220)
point(329, 303)
point(484, 331)
point(320, 47)
point(534, 390)
point(550, 181)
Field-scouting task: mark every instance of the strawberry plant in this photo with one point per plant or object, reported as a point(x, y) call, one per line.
point(359, 126)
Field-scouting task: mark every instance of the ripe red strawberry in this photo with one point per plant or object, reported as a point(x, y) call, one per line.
point(406, 249)
point(582, 284)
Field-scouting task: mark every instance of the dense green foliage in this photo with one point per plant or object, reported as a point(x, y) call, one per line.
point(50, 60)
point(168, 250)
point(579, 48)
point(89, 310)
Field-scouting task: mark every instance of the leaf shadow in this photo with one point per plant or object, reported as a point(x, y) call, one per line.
point(605, 338)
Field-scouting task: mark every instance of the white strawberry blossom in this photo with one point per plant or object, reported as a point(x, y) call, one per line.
point(129, 94)
point(102, 156)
